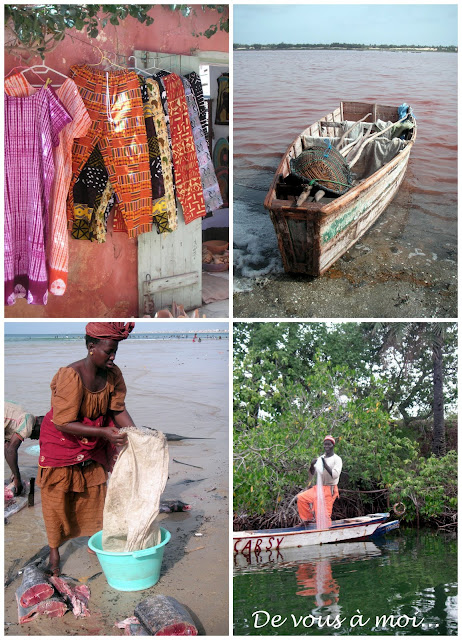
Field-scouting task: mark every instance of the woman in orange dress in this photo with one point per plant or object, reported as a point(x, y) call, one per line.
point(79, 438)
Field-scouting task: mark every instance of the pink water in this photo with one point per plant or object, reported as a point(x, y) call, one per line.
point(279, 93)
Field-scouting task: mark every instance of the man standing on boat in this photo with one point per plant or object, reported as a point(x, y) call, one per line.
point(332, 468)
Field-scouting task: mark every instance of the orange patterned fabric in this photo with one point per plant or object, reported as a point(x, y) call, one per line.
point(113, 100)
point(57, 244)
point(72, 501)
point(187, 177)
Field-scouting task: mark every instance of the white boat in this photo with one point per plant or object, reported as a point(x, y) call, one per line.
point(301, 536)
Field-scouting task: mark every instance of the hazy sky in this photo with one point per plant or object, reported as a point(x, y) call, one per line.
point(61, 327)
point(420, 24)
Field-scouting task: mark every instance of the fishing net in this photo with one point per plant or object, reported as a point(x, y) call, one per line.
point(133, 496)
point(324, 167)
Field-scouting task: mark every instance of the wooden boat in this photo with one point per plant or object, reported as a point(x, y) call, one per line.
point(313, 235)
point(339, 531)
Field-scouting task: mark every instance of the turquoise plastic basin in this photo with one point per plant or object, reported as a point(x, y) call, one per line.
point(130, 570)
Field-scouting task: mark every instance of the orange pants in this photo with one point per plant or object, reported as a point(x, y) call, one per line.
point(307, 501)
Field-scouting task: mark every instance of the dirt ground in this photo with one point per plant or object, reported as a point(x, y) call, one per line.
point(194, 569)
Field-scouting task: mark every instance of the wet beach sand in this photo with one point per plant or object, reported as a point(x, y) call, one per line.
point(178, 387)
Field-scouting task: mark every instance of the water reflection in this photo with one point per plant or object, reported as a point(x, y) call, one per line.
point(402, 585)
point(313, 568)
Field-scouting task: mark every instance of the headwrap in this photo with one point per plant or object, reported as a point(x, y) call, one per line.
point(330, 438)
point(109, 330)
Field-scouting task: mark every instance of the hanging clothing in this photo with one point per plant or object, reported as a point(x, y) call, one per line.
point(157, 181)
point(210, 187)
point(159, 214)
point(57, 243)
point(93, 192)
point(196, 85)
point(166, 205)
point(187, 176)
point(158, 78)
point(93, 200)
point(32, 127)
point(222, 114)
point(113, 100)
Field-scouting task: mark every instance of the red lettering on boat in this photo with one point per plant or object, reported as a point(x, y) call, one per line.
point(257, 545)
point(248, 546)
point(279, 540)
point(270, 540)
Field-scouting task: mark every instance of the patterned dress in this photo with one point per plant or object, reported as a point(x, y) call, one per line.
point(187, 176)
point(32, 127)
point(57, 243)
point(210, 187)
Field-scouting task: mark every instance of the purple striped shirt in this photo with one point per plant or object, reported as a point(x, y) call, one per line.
point(32, 126)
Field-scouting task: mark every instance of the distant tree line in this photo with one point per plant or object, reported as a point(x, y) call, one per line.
point(343, 45)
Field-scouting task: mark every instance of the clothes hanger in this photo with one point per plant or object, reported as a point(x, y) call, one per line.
point(148, 68)
point(37, 69)
point(104, 58)
point(134, 68)
point(13, 72)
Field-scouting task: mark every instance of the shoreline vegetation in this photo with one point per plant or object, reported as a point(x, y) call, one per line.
point(344, 47)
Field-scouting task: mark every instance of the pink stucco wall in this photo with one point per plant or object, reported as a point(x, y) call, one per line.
point(103, 278)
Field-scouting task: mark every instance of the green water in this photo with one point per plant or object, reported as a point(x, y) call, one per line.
point(409, 577)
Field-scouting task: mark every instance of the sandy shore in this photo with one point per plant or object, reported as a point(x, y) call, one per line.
point(178, 387)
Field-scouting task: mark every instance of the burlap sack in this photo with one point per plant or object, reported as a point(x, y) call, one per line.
point(133, 496)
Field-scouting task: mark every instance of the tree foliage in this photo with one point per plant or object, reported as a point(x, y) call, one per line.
point(296, 382)
point(403, 360)
point(38, 29)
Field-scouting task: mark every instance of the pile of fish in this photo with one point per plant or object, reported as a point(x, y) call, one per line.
point(40, 593)
point(159, 616)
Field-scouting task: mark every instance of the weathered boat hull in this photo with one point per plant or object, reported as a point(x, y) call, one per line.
point(313, 236)
point(275, 539)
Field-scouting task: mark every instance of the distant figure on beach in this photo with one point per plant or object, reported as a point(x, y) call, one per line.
point(80, 436)
point(307, 500)
point(19, 425)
